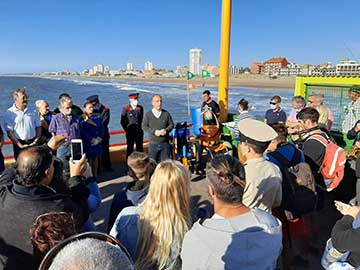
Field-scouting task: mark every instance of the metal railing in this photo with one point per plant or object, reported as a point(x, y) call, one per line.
point(115, 132)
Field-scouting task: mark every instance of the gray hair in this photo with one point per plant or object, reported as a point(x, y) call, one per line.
point(91, 254)
point(64, 100)
point(18, 91)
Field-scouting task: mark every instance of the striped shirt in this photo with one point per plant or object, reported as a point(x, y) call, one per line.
point(70, 127)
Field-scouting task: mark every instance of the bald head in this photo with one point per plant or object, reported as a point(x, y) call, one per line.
point(156, 101)
point(34, 166)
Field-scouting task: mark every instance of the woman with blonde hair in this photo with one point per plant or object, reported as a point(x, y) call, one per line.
point(153, 232)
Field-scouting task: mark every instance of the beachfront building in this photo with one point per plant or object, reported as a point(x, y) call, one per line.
point(273, 65)
point(294, 69)
point(107, 70)
point(181, 71)
point(148, 66)
point(195, 61)
point(348, 67)
point(234, 70)
point(129, 67)
point(257, 68)
point(100, 69)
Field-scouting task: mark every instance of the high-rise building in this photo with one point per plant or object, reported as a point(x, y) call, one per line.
point(129, 67)
point(100, 68)
point(148, 65)
point(195, 61)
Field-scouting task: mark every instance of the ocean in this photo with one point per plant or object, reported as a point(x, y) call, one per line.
point(114, 94)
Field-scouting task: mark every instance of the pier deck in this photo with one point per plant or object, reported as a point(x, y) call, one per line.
point(112, 182)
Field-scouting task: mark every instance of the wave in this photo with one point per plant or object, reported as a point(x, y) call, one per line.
point(130, 88)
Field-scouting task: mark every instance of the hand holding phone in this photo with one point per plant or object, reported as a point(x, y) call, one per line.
point(76, 149)
point(77, 168)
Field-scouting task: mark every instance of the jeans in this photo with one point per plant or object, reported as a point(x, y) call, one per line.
point(159, 151)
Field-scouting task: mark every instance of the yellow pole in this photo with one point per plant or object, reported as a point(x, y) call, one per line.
point(224, 60)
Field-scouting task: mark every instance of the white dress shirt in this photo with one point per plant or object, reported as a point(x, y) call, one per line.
point(22, 123)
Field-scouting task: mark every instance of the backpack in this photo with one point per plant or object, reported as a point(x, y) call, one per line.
point(333, 165)
point(298, 184)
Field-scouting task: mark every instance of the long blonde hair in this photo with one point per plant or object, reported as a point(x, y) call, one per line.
point(165, 216)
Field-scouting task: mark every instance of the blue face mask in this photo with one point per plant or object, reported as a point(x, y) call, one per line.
point(273, 107)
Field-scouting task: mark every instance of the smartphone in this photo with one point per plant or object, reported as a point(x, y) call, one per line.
point(76, 149)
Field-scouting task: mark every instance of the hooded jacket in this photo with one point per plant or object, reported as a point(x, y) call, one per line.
point(128, 196)
point(251, 241)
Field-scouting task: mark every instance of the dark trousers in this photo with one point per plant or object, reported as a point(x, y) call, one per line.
point(357, 173)
point(2, 166)
point(159, 151)
point(17, 149)
point(106, 161)
point(134, 137)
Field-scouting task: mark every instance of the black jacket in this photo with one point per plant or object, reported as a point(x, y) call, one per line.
point(21, 205)
point(345, 238)
point(131, 120)
point(104, 113)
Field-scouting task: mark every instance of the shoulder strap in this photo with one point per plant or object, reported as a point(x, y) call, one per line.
point(320, 138)
point(281, 159)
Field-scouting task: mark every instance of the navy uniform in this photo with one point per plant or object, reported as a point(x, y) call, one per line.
point(103, 112)
point(131, 121)
point(263, 188)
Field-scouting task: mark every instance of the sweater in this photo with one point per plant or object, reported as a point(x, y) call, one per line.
point(151, 123)
point(251, 241)
point(345, 238)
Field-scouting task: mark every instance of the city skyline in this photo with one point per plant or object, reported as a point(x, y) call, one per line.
point(44, 35)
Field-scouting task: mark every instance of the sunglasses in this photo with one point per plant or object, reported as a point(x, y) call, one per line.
point(48, 259)
point(272, 103)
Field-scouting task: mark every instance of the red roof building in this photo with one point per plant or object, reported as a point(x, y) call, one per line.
point(273, 65)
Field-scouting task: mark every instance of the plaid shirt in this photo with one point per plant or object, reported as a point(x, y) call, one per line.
point(352, 115)
point(62, 126)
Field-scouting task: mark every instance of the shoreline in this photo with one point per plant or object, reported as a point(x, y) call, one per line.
point(252, 81)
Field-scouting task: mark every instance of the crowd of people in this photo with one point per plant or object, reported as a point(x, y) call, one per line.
point(280, 177)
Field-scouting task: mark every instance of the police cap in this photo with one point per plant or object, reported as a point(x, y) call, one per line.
point(134, 95)
point(256, 132)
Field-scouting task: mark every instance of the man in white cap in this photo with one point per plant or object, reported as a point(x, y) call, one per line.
point(263, 178)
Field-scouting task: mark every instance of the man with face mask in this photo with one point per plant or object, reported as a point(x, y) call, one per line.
point(67, 124)
point(131, 121)
point(75, 110)
point(275, 114)
point(22, 123)
point(263, 178)
point(352, 110)
point(103, 112)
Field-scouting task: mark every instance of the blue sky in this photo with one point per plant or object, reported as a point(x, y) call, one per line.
point(52, 35)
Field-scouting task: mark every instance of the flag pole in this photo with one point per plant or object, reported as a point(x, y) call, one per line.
point(188, 97)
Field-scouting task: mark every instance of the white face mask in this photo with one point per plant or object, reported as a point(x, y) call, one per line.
point(67, 112)
point(272, 106)
point(133, 102)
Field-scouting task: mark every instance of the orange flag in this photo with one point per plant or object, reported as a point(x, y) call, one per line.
point(191, 86)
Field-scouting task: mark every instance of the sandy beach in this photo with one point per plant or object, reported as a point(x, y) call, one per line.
point(244, 80)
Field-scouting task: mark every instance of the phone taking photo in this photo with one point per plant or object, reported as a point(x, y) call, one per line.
point(76, 149)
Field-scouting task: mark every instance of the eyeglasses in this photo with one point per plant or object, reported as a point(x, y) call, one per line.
point(48, 259)
point(272, 103)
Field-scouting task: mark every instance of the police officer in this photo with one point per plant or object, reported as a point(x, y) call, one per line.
point(263, 178)
point(103, 112)
point(131, 121)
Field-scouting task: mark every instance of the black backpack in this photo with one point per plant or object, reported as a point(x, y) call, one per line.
point(298, 197)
